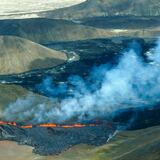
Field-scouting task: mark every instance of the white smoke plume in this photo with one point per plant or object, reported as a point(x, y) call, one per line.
point(131, 83)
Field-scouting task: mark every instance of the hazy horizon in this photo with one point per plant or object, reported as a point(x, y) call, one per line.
point(14, 8)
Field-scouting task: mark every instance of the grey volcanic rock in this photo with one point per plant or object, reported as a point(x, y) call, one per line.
point(92, 8)
point(48, 141)
point(19, 55)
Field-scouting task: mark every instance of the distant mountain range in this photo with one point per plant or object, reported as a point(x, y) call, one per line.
point(94, 8)
point(44, 31)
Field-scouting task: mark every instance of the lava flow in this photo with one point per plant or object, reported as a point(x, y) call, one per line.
point(53, 139)
point(8, 123)
point(52, 125)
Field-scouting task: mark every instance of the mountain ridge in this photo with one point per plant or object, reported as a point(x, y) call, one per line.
point(94, 8)
point(19, 55)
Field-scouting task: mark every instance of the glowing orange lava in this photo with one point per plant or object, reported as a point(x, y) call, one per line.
point(48, 125)
point(52, 125)
point(8, 123)
point(27, 126)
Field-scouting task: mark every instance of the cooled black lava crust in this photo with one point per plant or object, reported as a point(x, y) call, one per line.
point(48, 141)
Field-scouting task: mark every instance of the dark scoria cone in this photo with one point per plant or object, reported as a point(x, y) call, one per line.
point(56, 140)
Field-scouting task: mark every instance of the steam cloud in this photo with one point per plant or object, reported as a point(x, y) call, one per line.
point(131, 83)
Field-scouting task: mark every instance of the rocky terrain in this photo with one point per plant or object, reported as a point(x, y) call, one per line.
point(40, 56)
point(132, 145)
point(56, 140)
point(19, 55)
point(95, 8)
point(44, 31)
point(114, 17)
point(82, 57)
